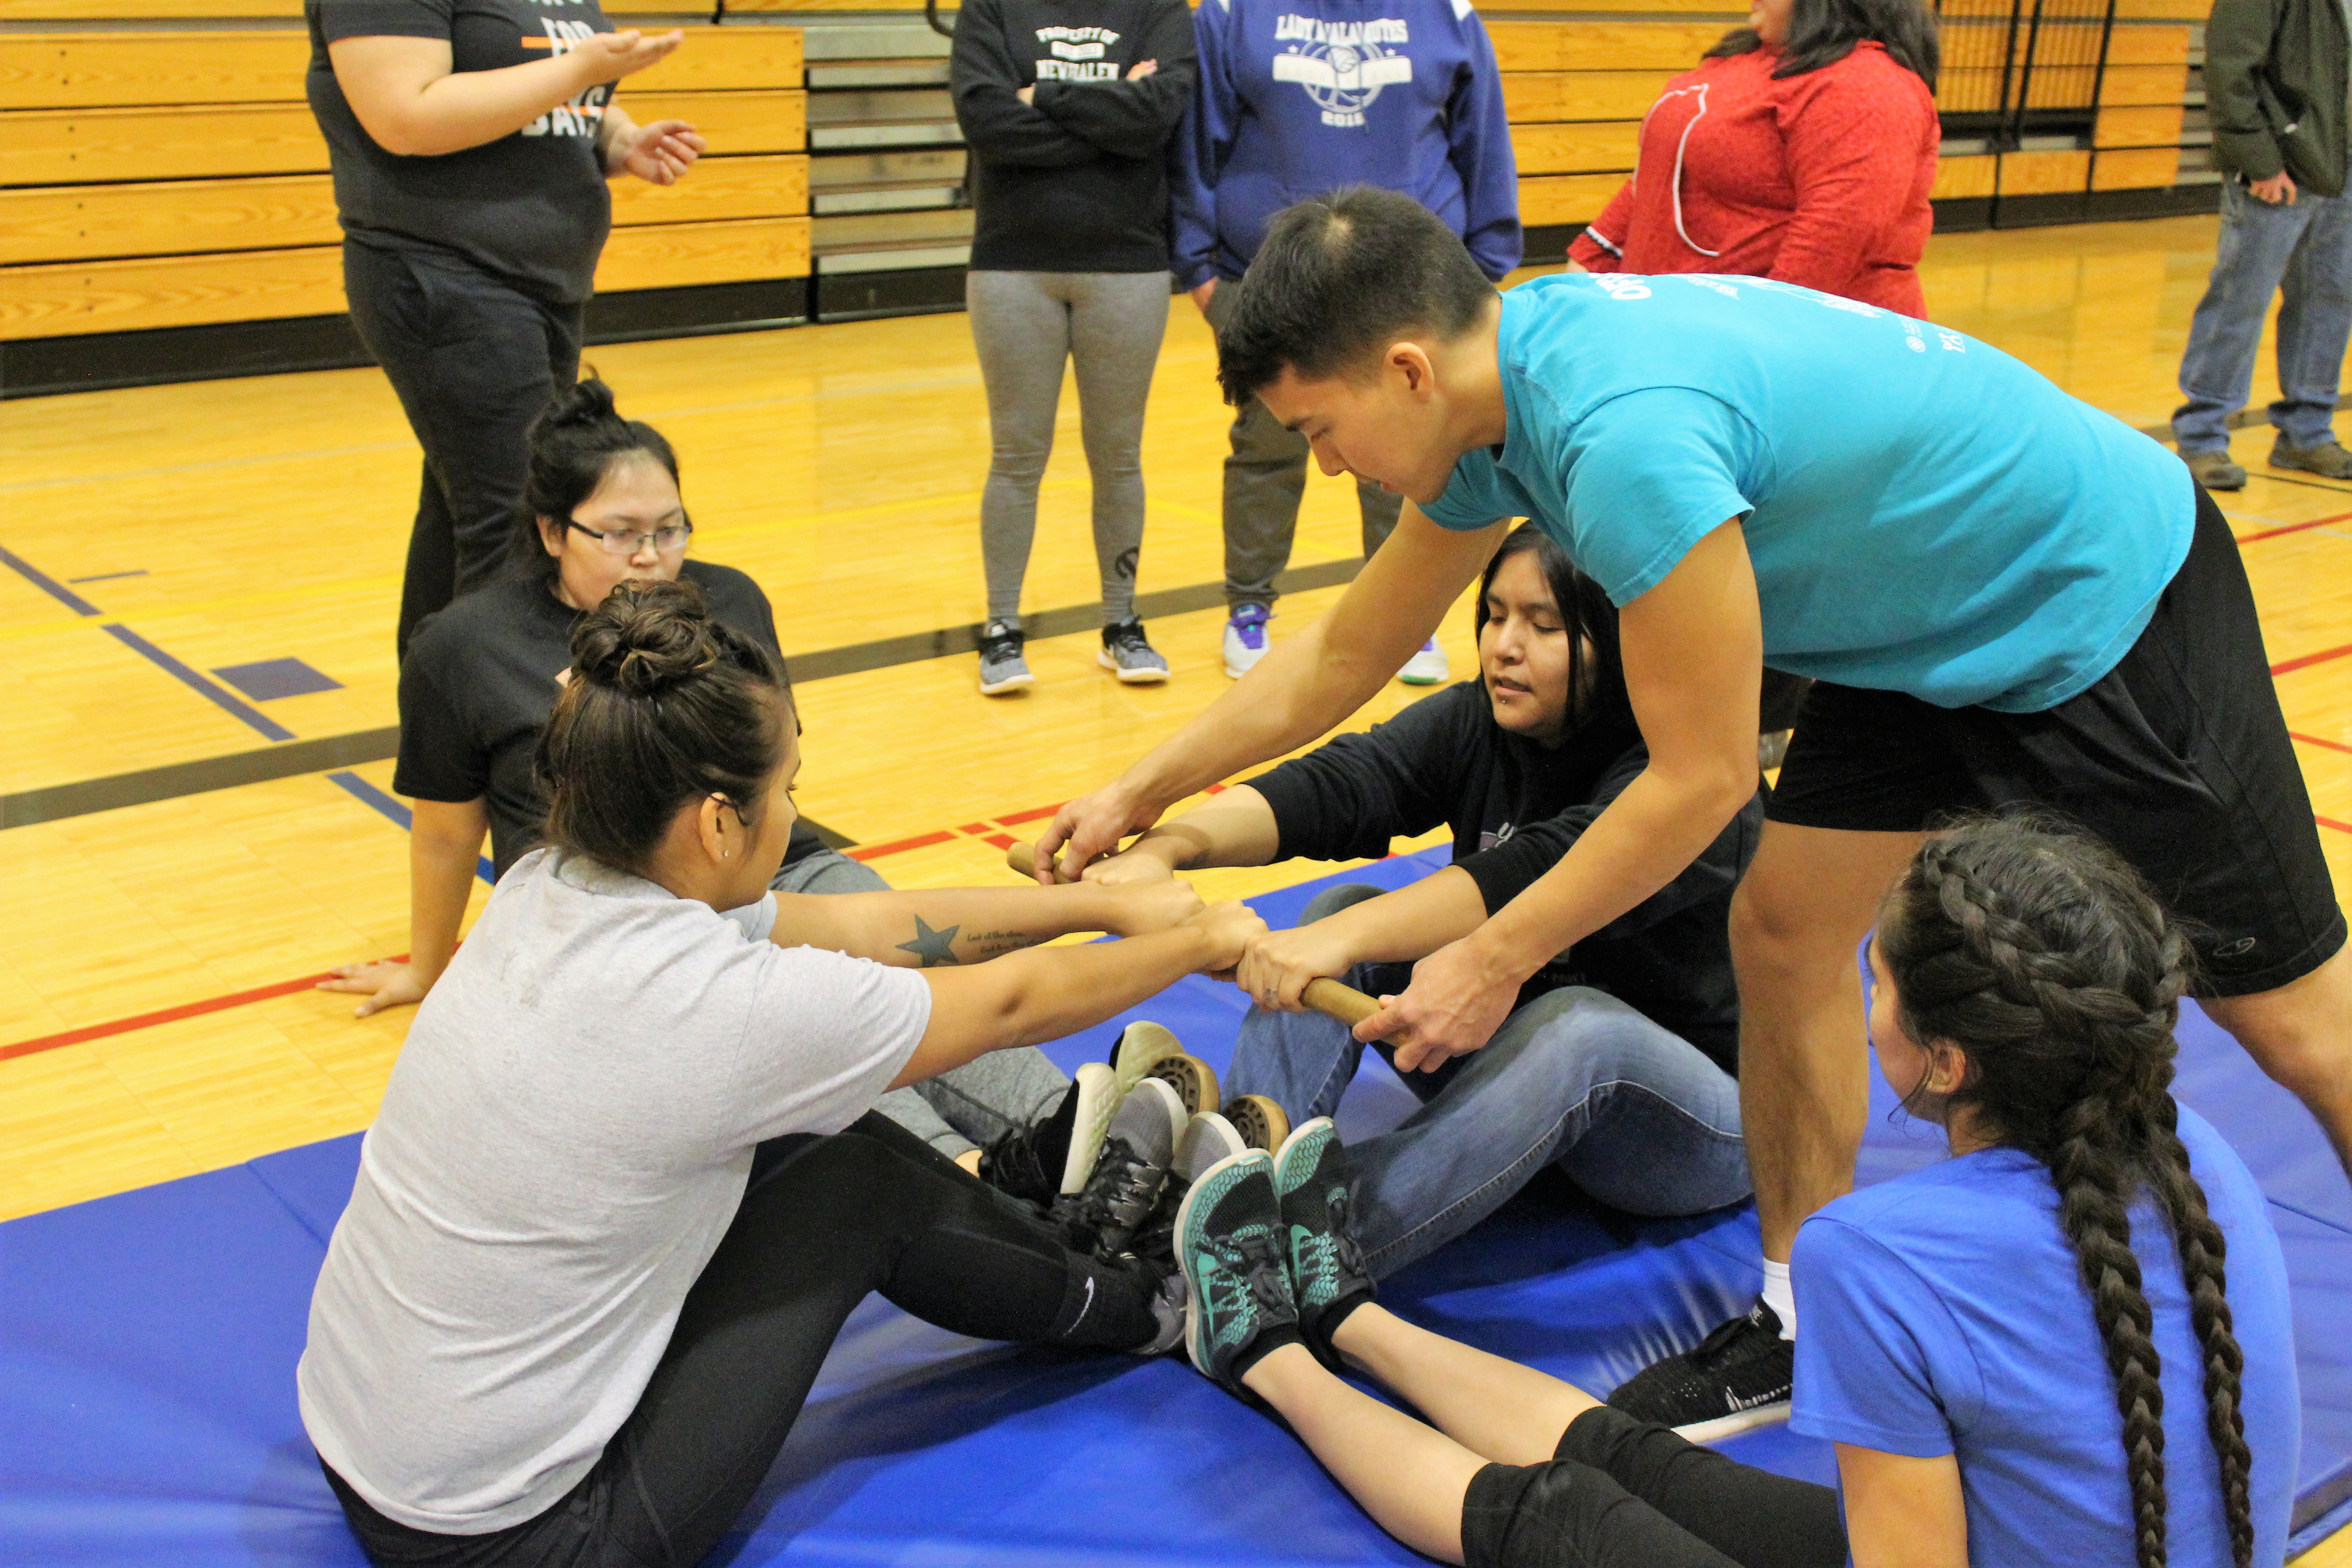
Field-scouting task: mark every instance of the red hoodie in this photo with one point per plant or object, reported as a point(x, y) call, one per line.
point(1820, 179)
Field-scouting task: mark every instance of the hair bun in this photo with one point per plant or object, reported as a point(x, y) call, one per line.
point(585, 402)
point(645, 638)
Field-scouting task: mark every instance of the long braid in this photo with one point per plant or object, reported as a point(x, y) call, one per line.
point(2044, 956)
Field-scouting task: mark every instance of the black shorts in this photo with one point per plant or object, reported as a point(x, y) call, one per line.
point(2178, 757)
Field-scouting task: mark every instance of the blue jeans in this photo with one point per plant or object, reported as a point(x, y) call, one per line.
point(1635, 1116)
point(2305, 249)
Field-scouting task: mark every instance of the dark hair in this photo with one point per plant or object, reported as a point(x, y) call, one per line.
point(2046, 958)
point(665, 706)
point(574, 443)
point(1337, 279)
point(1585, 612)
point(1823, 32)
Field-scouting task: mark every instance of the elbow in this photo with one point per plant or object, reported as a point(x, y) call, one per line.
point(401, 137)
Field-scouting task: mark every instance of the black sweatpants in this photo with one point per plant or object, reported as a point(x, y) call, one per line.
point(823, 1222)
point(1621, 1493)
point(474, 359)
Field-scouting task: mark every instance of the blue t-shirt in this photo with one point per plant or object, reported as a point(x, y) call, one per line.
point(1943, 1314)
point(1924, 513)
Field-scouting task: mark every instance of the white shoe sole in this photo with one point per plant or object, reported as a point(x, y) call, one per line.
point(1015, 683)
point(1723, 1426)
point(1208, 1142)
point(1098, 1102)
point(1147, 1050)
point(1162, 1096)
point(1131, 677)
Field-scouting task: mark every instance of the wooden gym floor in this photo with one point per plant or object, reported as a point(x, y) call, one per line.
point(155, 1015)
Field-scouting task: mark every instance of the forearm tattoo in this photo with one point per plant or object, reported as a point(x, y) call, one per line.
point(932, 947)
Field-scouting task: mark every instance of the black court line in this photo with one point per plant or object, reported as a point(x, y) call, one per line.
point(108, 576)
point(292, 758)
point(389, 808)
point(220, 697)
point(47, 584)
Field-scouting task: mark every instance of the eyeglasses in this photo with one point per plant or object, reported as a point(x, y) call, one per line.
point(629, 541)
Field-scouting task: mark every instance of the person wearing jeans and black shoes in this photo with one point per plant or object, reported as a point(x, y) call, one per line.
point(470, 141)
point(2275, 83)
point(601, 1240)
point(1068, 109)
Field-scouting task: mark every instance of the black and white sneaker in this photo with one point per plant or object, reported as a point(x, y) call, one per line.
point(1127, 654)
point(1737, 1378)
point(1002, 665)
point(1122, 1192)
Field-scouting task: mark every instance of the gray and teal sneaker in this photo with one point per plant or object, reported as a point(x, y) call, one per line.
point(1229, 1240)
point(1127, 654)
point(1001, 667)
point(1328, 1275)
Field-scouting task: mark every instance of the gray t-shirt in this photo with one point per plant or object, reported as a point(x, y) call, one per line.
point(565, 1137)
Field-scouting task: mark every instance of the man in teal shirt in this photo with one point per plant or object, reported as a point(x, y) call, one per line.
point(2005, 597)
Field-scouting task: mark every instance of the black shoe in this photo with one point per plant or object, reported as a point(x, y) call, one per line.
point(1737, 1378)
point(1329, 1279)
point(1123, 1191)
point(1229, 1239)
point(1027, 1162)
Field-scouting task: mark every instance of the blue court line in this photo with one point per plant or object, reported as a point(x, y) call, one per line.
point(389, 806)
point(48, 585)
point(236, 707)
point(108, 576)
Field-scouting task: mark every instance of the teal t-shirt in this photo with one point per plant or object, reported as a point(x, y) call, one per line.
point(1924, 513)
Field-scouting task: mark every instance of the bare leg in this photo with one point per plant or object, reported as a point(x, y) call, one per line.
point(1411, 1480)
point(2301, 1034)
point(1513, 1415)
point(1804, 1073)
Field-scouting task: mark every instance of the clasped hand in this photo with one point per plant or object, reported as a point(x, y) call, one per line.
point(658, 154)
point(1451, 1008)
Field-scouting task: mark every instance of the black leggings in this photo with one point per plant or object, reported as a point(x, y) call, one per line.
point(823, 1222)
point(1623, 1493)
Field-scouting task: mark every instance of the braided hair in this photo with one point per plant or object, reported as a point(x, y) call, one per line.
point(2049, 963)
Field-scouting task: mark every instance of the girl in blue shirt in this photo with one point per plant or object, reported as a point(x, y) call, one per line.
point(2067, 1344)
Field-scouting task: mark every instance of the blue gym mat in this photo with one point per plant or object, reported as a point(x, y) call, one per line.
point(148, 1342)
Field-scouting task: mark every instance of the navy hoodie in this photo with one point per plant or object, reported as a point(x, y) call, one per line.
point(1300, 97)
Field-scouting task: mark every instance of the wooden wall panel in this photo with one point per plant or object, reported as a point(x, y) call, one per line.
point(2044, 173)
point(1965, 177)
point(2161, 10)
point(105, 71)
point(1531, 96)
point(1566, 198)
point(2141, 169)
point(65, 223)
point(733, 122)
point(720, 59)
point(675, 256)
point(2157, 126)
point(1575, 149)
point(65, 146)
point(2143, 84)
point(170, 291)
point(774, 186)
point(2147, 47)
point(146, 10)
point(1602, 45)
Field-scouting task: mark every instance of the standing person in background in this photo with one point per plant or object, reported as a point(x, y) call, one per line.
point(1067, 108)
point(470, 141)
point(1297, 98)
point(1802, 149)
point(2274, 83)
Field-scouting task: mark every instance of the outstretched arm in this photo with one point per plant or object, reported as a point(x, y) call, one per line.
point(939, 926)
point(1303, 686)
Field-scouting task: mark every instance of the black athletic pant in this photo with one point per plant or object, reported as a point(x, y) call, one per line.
point(823, 1222)
point(474, 360)
point(1623, 1493)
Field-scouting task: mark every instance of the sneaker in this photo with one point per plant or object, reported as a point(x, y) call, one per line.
point(1229, 1239)
point(1096, 1092)
point(1168, 1299)
point(1207, 1138)
point(1738, 1376)
point(1001, 667)
point(1261, 1124)
point(1246, 638)
point(1328, 1275)
point(1426, 668)
point(1146, 1050)
point(2328, 458)
point(2216, 472)
point(1123, 1190)
point(1027, 1160)
point(1129, 657)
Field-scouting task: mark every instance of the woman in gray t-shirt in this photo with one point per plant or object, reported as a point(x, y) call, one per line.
point(625, 1186)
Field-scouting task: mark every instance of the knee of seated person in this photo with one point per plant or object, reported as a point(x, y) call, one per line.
point(1578, 1029)
point(1331, 900)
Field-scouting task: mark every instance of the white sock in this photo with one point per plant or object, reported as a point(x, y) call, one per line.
point(1780, 1297)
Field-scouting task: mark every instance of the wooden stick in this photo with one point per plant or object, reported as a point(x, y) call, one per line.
point(1328, 998)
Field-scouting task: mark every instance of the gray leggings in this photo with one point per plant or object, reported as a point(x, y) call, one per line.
point(967, 1107)
point(1025, 325)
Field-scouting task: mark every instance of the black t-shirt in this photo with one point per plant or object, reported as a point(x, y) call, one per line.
point(532, 207)
point(1077, 180)
point(1516, 807)
point(479, 681)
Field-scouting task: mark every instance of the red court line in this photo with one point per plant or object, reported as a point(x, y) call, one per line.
point(2287, 666)
point(2317, 740)
point(2331, 822)
point(161, 1016)
point(2294, 528)
point(922, 841)
point(1015, 818)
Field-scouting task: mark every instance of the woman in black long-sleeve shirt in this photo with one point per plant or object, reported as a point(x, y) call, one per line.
point(1067, 108)
point(1617, 1064)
